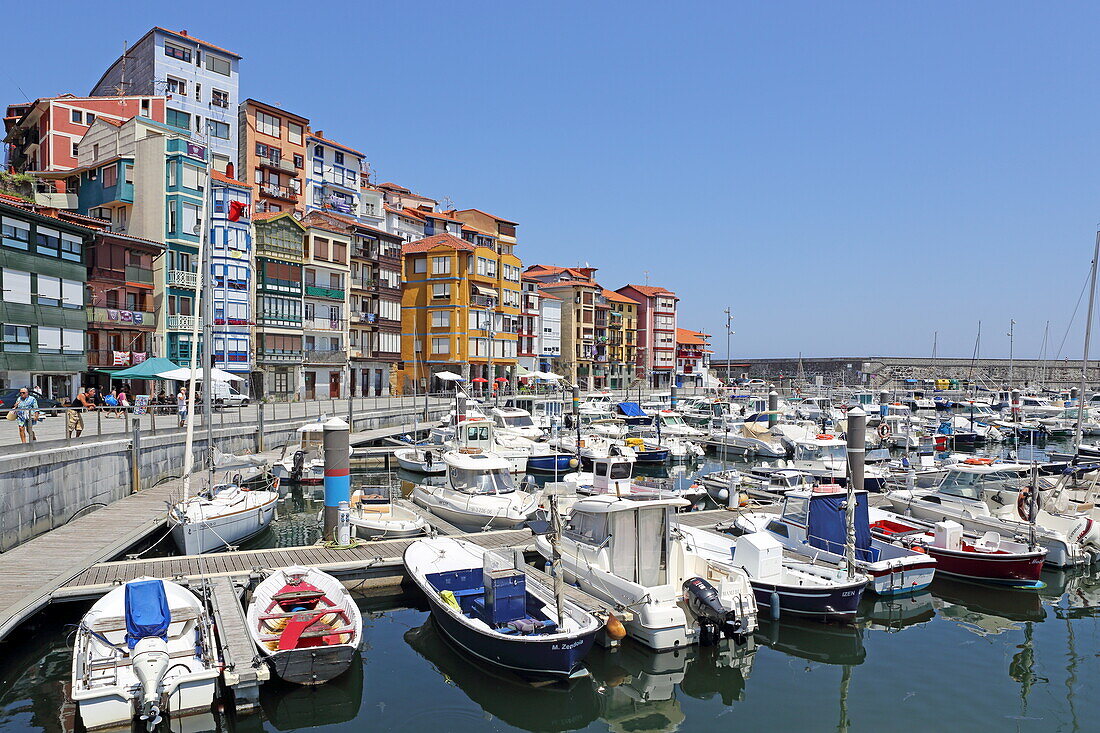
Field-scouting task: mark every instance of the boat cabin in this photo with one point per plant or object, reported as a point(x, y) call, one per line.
point(311, 437)
point(612, 475)
point(976, 477)
point(819, 518)
point(513, 417)
point(820, 447)
point(478, 472)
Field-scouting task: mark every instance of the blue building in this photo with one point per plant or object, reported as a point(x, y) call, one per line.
point(333, 176)
point(231, 258)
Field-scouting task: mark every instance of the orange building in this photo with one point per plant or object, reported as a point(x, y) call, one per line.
point(272, 155)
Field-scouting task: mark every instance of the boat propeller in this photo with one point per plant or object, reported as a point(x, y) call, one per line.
point(151, 715)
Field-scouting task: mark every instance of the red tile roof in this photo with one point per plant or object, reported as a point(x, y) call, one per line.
point(109, 121)
point(351, 222)
point(219, 176)
point(650, 290)
point(448, 241)
point(184, 34)
point(486, 213)
point(394, 187)
point(549, 295)
point(436, 215)
point(318, 136)
point(618, 297)
point(568, 284)
point(691, 338)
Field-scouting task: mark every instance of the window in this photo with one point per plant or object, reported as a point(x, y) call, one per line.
point(339, 252)
point(128, 173)
point(178, 119)
point(441, 290)
point(177, 52)
point(198, 123)
point(198, 92)
point(217, 129)
point(319, 152)
point(17, 338)
point(49, 340)
point(75, 149)
point(218, 65)
point(267, 124)
point(218, 98)
point(441, 346)
point(110, 176)
point(191, 222)
point(441, 319)
point(16, 233)
point(299, 161)
point(49, 290)
point(49, 241)
point(320, 248)
point(71, 247)
point(338, 157)
point(191, 178)
point(177, 86)
point(420, 265)
point(294, 133)
point(441, 265)
point(72, 341)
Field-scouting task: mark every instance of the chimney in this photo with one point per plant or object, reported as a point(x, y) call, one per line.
point(319, 133)
point(183, 33)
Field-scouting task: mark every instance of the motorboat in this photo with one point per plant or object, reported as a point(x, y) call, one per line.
point(425, 458)
point(683, 449)
point(627, 553)
point(478, 493)
point(750, 437)
point(480, 433)
point(221, 516)
point(648, 451)
point(306, 624)
point(784, 586)
point(761, 481)
point(988, 558)
point(516, 422)
point(825, 457)
point(613, 475)
point(144, 649)
point(985, 495)
point(812, 523)
point(598, 403)
point(497, 613)
point(898, 431)
point(632, 414)
point(591, 447)
point(306, 464)
point(1033, 406)
point(374, 516)
point(672, 423)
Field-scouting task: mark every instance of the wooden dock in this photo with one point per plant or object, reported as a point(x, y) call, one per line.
point(244, 669)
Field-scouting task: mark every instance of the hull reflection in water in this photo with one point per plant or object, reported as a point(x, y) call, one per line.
point(984, 609)
point(894, 613)
point(294, 707)
point(554, 707)
point(823, 643)
point(630, 689)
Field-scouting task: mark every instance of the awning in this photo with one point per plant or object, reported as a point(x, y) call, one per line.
point(182, 374)
point(148, 369)
point(482, 290)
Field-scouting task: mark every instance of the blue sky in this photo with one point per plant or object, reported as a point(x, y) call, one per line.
point(846, 177)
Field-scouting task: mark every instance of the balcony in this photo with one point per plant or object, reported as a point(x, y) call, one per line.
point(106, 358)
point(139, 275)
point(277, 164)
point(323, 324)
point(278, 356)
point(107, 273)
point(275, 191)
point(481, 300)
point(183, 323)
point(120, 317)
point(326, 356)
point(364, 318)
point(316, 291)
point(181, 279)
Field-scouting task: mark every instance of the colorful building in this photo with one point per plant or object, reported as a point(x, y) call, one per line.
point(577, 290)
point(272, 155)
point(277, 334)
point(231, 267)
point(198, 80)
point(622, 329)
point(42, 304)
point(44, 135)
point(656, 332)
point(693, 359)
point(325, 275)
point(333, 178)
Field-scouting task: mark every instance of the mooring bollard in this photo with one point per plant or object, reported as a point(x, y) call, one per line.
point(773, 408)
point(857, 447)
point(135, 459)
point(337, 446)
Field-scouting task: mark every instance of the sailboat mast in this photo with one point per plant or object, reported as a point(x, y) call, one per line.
point(189, 443)
point(1081, 399)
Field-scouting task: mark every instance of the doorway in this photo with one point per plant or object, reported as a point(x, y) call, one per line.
point(334, 384)
point(311, 385)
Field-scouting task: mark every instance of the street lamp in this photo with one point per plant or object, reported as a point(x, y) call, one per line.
point(729, 332)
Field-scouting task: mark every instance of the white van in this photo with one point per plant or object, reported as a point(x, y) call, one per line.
point(225, 394)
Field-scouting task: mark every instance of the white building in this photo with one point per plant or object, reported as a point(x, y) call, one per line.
point(332, 176)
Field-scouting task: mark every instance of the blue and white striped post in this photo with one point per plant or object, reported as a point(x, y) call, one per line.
point(337, 445)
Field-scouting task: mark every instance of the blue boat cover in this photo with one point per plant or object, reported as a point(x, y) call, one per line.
point(147, 612)
point(826, 528)
point(631, 409)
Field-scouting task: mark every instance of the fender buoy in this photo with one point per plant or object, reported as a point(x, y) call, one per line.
point(884, 430)
point(615, 628)
point(978, 461)
point(1023, 504)
point(824, 436)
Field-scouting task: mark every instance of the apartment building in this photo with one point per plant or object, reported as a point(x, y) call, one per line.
point(231, 268)
point(656, 331)
point(272, 155)
point(333, 178)
point(277, 334)
point(325, 274)
point(693, 358)
point(198, 80)
point(621, 333)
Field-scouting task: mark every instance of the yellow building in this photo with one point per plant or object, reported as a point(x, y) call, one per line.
point(622, 343)
point(459, 310)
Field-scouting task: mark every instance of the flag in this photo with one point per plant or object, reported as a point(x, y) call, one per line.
point(139, 356)
point(121, 358)
point(236, 210)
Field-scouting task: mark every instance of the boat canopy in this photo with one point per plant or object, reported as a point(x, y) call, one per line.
point(147, 612)
point(826, 528)
point(631, 409)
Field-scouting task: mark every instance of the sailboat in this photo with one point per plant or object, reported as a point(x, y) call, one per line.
point(222, 515)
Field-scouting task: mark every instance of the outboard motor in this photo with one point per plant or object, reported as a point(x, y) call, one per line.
point(297, 466)
point(150, 662)
point(706, 605)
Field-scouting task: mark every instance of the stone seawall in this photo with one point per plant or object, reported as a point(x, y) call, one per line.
point(44, 489)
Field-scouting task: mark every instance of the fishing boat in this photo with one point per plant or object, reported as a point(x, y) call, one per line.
point(984, 495)
point(478, 493)
point(497, 613)
point(813, 523)
point(989, 558)
point(783, 586)
point(306, 464)
point(144, 649)
point(627, 553)
point(221, 516)
point(374, 516)
point(306, 624)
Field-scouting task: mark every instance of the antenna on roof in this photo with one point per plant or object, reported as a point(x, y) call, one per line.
point(121, 88)
point(647, 277)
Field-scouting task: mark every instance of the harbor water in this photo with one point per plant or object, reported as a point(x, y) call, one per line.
point(959, 657)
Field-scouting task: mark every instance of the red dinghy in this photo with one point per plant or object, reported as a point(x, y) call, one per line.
point(988, 559)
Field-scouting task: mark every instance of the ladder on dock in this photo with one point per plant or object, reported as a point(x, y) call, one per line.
point(244, 669)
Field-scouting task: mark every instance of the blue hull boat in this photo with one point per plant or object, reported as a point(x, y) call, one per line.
point(552, 463)
point(651, 455)
point(511, 622)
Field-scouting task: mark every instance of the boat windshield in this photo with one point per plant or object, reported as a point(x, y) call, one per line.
point(519, 421)
point(968, 485)
point(823, 452)
point(481, 481)
point(673, 420)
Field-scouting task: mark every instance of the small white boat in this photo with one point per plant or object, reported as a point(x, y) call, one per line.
point(306, 624)
point(478, 494)
point(614, 476)
point(223, 515)
point(144, 649)
point(426, 459)
point(376, 517)
point(306, 463)
point(516, 422)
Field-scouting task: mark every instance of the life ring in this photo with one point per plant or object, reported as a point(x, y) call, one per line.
point(1023, 504)
point(883, 430)
point(470, 451)
point(825, 436)
point(979, 461)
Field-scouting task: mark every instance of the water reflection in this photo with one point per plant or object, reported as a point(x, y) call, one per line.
point(292, 707)
point(986, 610)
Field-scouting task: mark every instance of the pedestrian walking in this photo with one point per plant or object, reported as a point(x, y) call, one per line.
point(26, 411)
point(74, 418)
point(181, 405)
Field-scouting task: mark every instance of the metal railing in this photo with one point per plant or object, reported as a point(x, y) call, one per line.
point(183, 323)
point(318, 291)
point(181, 278)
